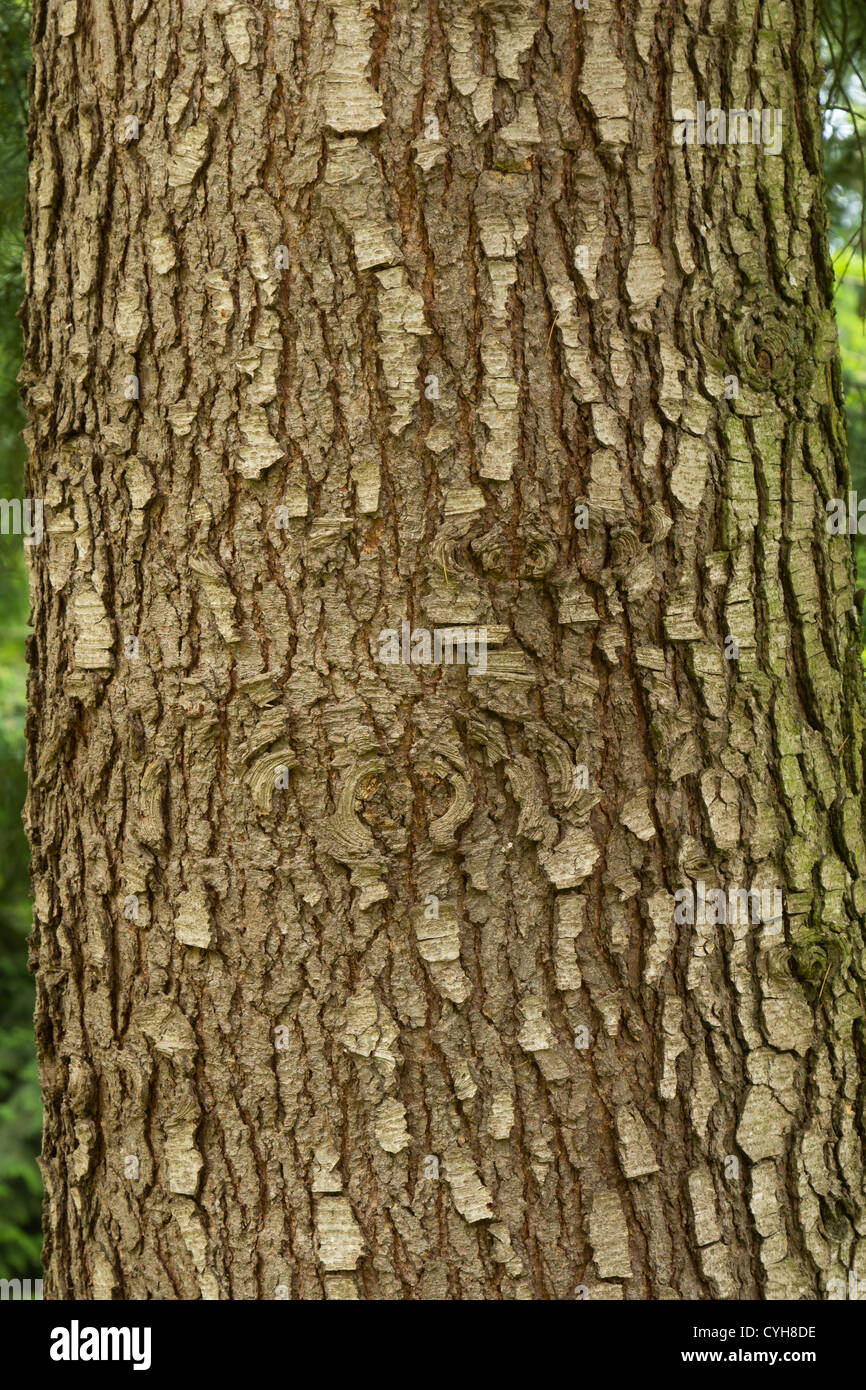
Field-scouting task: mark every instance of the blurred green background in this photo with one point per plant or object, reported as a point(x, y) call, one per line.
point(20, 1184)
point(844, 45)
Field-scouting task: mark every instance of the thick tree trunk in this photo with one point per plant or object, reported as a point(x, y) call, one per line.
point(371, 978)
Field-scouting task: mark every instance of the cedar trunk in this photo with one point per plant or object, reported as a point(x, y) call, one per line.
point(370, 979)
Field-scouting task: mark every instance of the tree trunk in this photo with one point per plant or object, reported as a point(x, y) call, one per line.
point(363, 973)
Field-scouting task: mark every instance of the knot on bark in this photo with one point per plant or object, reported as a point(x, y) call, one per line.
point(773, 345)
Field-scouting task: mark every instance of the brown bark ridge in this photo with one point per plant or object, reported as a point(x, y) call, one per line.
point(363, 978)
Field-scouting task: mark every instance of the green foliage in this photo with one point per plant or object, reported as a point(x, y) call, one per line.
point(843, 43)
point(851, 319)
point(20, 1118)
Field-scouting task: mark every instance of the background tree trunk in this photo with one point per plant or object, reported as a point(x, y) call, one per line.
point(352, 983)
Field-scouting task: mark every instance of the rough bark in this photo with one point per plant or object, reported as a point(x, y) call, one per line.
point(400, 288)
